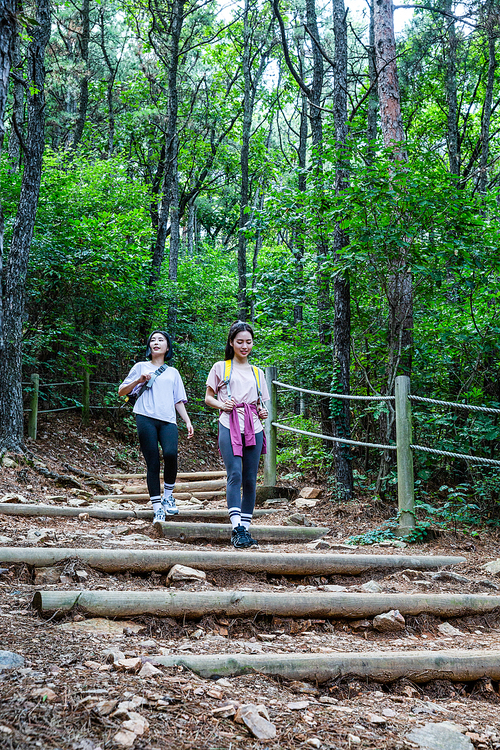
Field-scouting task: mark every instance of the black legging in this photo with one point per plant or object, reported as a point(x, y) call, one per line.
point(151, 432)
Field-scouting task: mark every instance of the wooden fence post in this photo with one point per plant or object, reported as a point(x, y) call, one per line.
point(33, 417)
point(270, 456)
point(86, 397)
point(406, 490)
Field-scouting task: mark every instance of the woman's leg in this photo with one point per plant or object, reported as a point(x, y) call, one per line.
point(233, 469)
point(251, 457)
point(147, 429)
point(169, 441)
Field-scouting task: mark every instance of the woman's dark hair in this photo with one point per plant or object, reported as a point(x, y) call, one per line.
point(236, 328)
point(169, 353)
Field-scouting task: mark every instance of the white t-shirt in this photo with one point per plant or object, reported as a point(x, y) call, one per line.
point(158, 401)
point(243, 390)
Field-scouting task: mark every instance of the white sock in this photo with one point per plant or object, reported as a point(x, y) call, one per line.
point(156, 503)
point(246, 520)
point(168, 489)
point(235, 517)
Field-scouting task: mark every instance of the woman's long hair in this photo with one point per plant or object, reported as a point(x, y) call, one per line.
point(236, 328)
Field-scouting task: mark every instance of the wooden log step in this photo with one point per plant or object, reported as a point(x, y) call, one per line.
point(18, 509)
point(384, 667)
point(279, 563)
point(208, 486)
point(196, 604)
point(144, 498)
point(187, 476)
point(218, 532)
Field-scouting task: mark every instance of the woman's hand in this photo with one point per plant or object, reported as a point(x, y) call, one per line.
point(262, 412)
point(228, 405)
point(190, 430)
point(144, 378)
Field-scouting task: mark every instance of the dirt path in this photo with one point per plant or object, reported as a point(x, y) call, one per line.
point(68, 694)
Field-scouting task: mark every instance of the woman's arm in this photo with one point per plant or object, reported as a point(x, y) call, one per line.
point(181, 411)
point(124, 390)
point(210, 400)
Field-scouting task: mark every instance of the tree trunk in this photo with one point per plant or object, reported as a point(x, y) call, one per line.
point(451, 90)
point(175, 242)
point(280, 563)
point(388, 83)
point(14, 148)
point(84, 83)
point(11, 404)
point(372, 72)
point(171, 142)
point(342, 320)
point(7, 33)
point(491, 23)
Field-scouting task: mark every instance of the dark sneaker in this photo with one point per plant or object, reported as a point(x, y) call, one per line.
point(252, 542)
point(240, 538)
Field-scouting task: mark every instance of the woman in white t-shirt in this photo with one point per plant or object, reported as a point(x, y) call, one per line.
point(239, 390)
point(162, 395)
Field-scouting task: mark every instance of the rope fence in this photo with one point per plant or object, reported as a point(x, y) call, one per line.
point(404, 446)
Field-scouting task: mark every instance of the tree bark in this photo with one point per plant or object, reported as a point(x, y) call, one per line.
point(388, 83)
point(84, 83)
point(11, 404)
point(383, 667)
point(7, 33)
point(283, 563)
point(372, 73)
point(492, 31)
point(451, 90)
point(194, 604)
point(14, 147)
point(342, 295)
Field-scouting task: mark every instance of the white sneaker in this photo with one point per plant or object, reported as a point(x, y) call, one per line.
point(159, 515)
point(169, 506)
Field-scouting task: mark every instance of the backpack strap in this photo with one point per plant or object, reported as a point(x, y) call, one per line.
point(156, 373)
point(256, 374)
point(228, 369)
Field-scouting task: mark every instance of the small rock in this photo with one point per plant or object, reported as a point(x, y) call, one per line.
point(104, 708)
point(149, 643)
point(100, 625)
point(10, 660)
point(68, 581)
point(128, 665)
point(81, 575)
point(361, 624)
point(297, 705)
point(258, 725)
point(314, 742)
point(298, 519)
point(388, 712)
point(4, 540)
point(274, 501)
point(353, 739)
point(319, 544)
point(77, 502)
point(372, 587)
point(136, 724)
point(333, 588)
point(445, 628)
point(8, 462)
point(39, 536)
point(46, 575)
point(45, 693)
point(5, 730)
point(83, 517)
point(491, 567)
point(443, 736)
point(55, 498)
point(227, 710)
point(302, 502)
point(309, 492)
point(124, 738)
point(389, 622)
point(376, 719)
point(148, 670)
point(14, 497)
point(113, 654)
point(449, 575)
point(183, 573)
